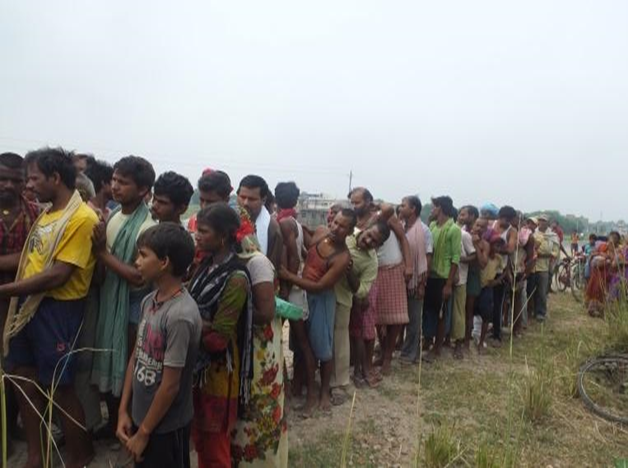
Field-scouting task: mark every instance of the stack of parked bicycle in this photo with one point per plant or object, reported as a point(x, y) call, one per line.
point(570, 274)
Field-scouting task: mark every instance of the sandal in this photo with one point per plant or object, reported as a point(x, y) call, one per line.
point(429, 358)
point(358, 381)
point(325, 411)
point(339, 399)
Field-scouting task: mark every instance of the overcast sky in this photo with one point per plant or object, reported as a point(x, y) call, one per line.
point(524, 103)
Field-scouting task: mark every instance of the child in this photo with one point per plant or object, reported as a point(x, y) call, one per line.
point(490, 262)
point(159, 374)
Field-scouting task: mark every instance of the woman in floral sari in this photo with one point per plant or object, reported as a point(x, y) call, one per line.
point(222, 290)
point(261, 437)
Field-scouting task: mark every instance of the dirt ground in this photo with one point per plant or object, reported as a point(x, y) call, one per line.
point(479, 401)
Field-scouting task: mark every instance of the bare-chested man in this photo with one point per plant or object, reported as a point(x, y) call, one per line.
point(327, 262)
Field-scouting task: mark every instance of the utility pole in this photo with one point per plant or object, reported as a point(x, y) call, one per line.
point(350, 180)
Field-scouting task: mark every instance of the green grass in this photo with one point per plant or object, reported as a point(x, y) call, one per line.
point(440, 448)
point(481, 403)
point(327, 450)
point(537, 389)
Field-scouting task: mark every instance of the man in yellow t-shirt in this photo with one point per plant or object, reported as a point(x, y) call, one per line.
point(41, 349)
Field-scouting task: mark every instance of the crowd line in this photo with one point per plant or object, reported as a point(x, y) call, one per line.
point(108, 295)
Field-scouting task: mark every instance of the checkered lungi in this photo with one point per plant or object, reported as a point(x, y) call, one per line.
point(362, 321)
point(392, 297)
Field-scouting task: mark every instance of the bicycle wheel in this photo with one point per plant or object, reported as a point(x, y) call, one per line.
point(603, 387)
point(562, 277)
point(554, 282)
point(577, 282)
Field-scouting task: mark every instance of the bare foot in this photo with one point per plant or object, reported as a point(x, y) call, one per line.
point(386, 369)
point(325, 404)
point(308, 408)
point(374, 375)
point(481, 350)
point(431, 357)
point(372, 381)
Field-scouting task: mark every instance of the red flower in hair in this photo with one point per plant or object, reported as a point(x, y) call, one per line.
point(247, 227)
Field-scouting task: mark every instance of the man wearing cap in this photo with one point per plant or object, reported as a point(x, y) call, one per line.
point(546, 249)
point(489, 211)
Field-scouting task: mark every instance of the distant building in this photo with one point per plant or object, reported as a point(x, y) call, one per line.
point(313, 208)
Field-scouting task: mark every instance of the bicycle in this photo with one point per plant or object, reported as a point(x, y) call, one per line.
point(603, 387)
point(570, 274)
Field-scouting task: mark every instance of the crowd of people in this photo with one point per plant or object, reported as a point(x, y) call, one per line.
point(107, 297)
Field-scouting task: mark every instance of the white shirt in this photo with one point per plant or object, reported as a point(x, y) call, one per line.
point(429, 240)
point(389, 253)
point(467, 249)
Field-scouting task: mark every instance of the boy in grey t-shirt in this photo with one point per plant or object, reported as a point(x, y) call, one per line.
point(159, 375)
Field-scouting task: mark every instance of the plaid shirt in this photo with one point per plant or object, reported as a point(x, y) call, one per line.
point(13, 238)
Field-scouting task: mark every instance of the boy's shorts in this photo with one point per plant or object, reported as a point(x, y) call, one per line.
point(320, 324)
point(484, 304)
point(46, 341)
point(171, 449)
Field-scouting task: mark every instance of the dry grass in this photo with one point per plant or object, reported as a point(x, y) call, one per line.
point(473, 409)
point(472, 401)
point(538, 388)
point(617, 320)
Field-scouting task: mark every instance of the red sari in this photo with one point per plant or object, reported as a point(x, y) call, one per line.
point(597, 288)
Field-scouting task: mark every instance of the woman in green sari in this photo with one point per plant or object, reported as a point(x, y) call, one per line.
point(222, 290)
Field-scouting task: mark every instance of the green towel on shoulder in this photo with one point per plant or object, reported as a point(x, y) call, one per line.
point(113, 318)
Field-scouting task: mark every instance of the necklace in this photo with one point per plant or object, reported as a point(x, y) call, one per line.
point(158, 304)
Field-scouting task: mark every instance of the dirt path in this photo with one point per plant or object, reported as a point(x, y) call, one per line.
point(479, 401)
